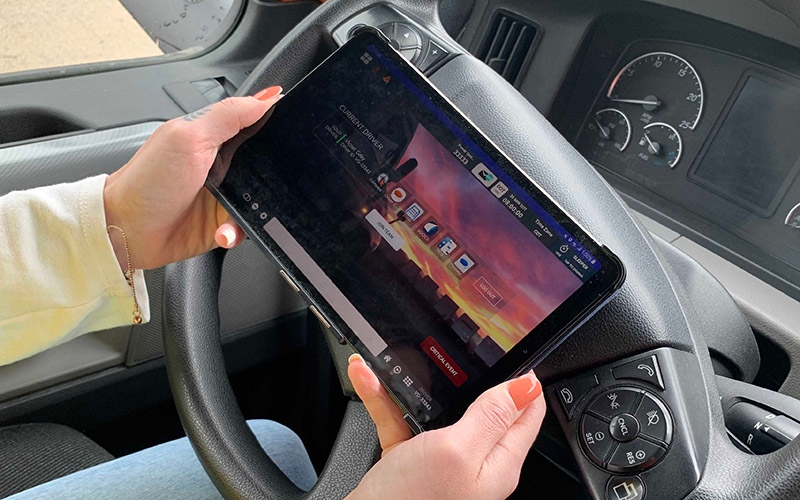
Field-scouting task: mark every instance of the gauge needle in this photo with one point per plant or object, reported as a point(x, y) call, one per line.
point(604, 131)
point(644, 102)
point(655, 148)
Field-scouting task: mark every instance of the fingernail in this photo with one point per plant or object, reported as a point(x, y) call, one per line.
point(268, 93)
point(228, 237)
point(525, 390)
point(354, 357)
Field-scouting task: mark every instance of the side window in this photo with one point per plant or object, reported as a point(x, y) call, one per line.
point(39, 34)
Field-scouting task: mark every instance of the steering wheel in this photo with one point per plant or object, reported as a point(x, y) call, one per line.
point(656, 310)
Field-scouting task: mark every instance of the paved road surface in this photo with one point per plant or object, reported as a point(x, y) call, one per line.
point(48, 33)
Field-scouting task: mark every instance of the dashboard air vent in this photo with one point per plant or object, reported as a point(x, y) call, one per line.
point(508, 42)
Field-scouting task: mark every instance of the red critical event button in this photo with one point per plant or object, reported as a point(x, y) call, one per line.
point(444, 361)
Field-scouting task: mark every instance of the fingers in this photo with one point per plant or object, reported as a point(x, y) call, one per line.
point(221, 121)
point(392, 429)
point(229, 234)
point(497, 411)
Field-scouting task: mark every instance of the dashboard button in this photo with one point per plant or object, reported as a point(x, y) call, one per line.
point(654, 419)
point(625, 488)
point(572, 392)
point(644, 369)
point(624, 427)
point(635, 456)
point(613, 402)
point(596, 439)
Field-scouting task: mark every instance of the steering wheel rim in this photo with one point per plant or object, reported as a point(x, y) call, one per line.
point(648, 313)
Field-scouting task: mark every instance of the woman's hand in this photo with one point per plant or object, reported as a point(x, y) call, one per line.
point(158, 198)
point(477, 458)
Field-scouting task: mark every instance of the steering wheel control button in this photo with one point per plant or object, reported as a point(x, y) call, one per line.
point(624, 427)
point(434, 54)
point(611, 403)
point(654, 419)
point(572, 392)
point(643, 369)
point(625, 488)
point(407, 37)
point(596, 439)
point(404, 38)
point(635, 456)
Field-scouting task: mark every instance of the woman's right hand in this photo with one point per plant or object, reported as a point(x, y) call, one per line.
point(478, 458)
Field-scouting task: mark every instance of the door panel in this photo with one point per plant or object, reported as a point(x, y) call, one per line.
point(68, 124)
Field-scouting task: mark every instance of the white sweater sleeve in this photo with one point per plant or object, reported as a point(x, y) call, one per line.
point(59, 277)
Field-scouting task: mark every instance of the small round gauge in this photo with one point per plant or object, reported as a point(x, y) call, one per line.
point(661, 145)
point(610, 126)
point(661, 86)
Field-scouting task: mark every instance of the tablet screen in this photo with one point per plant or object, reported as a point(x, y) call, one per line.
point(435, 258)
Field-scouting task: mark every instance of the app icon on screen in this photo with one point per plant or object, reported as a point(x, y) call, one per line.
point(414, 212)
point(398, 194)
point(464, 263)
point(499, 189)
point(447, 245)
point(484, 175)
point(430, 229)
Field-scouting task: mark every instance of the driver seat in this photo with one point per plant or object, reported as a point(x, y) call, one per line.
point(33, 454)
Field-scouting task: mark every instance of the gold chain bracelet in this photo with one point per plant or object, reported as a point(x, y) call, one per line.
point(137, 314)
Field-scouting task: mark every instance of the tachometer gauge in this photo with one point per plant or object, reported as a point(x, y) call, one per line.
point(662, 87)
point(661, 145)
point(610, 127)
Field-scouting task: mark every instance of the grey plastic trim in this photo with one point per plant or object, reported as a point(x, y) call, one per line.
point(68, 159)
point(768, 310)
point(78, 357)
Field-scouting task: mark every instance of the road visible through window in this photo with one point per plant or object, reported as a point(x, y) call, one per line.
point(38, 34)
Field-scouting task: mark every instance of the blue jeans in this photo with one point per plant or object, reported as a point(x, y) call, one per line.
point(171, 471)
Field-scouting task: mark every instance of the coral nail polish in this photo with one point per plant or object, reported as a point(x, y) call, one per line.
point(268, 93)
point(524, 391)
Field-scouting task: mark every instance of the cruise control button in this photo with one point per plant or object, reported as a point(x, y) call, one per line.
point(625, 488)
point(624, 427)
point(406, 36)
point(596, 439)
point(614, 402)
point(644, 369)
point(410, 54)
point(654, 419)
point(635, 456)
point(571, 393)
point(434, 54)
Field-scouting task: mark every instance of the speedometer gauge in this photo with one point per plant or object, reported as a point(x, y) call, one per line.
point(662, 87)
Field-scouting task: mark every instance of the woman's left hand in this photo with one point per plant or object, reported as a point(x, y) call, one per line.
point(158, 197)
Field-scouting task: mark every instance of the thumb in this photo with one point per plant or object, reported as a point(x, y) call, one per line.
point(221, 121)
point(496, 411)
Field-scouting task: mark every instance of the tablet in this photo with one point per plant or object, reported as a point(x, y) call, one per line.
point(409, 233)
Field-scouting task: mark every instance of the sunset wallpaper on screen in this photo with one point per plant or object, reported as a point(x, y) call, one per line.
point(530, 279)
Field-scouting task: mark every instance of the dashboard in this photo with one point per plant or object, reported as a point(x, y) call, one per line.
point(711, 132)
point(693, 121)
